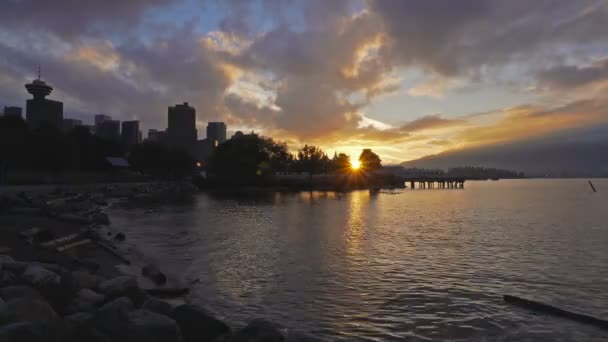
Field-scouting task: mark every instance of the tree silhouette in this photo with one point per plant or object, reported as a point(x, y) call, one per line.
point(369, 160)
point(341, 164)
point(247, 157)
point(312, 160)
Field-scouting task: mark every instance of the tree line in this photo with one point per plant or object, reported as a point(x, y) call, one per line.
point(249, 156)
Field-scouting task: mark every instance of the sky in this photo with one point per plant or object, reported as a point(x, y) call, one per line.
point(406, 78)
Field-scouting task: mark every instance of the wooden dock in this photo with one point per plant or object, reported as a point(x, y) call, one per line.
point(435, 183)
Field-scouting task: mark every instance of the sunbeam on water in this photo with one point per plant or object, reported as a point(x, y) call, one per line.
point(428, 265)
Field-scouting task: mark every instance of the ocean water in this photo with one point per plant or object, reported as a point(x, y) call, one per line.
point(408, 265)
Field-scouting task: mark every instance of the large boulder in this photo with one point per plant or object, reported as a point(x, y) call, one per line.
point(158, 306)
point(112, 318)
point(79, 280)
point(22, 332)
point(99, 218)
point(86, 300)
point(154, 273)
point(40, 277)
point(197, 324)
point(48, 283)
point(28, 309)
point(147, 326)
point(7, 278)
point(258, 331)
point(124, 286)
point(118, 286)
point(14, 292)
point(80, 327)
point(4, 259)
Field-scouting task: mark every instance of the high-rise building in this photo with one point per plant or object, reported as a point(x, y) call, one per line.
point(40, 111)
point(182, 126)
point(70, 124)
point(216, 131)
point(154, 135)
point(13, 112)
point(130, 133)
point(109, 130)
point(99, 118)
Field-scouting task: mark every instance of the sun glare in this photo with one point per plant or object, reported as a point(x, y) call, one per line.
point(355, 164)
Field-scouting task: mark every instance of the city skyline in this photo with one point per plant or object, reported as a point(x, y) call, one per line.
point(342, 74)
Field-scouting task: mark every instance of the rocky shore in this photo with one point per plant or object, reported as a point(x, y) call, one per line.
point(61, 276)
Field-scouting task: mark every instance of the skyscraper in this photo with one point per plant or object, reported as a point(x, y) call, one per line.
point(130, 133)
point(216, 131)
point(182, 126)
point(109, 130)
point(99, 118)
point(40, 111)
point(12, 112)
point(157, 136)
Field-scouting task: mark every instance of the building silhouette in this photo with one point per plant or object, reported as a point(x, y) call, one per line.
point(182, 126)
point(70, 124)
point(130, 133)
point(40, 111)
point(99, 119)
point(216, 134)
point(216, 131)
point(13, 112)
point(157, 136)
point(109, 130)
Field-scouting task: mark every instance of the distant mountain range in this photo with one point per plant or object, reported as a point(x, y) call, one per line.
point(576, 153)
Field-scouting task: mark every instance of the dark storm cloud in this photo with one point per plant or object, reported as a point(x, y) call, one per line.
point(572, 76)
point(135, 80)
point(73, 18)
point(460, 37)
point(325, 60)
point(431, 122)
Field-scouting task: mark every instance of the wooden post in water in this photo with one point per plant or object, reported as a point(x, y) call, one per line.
point(592, 187)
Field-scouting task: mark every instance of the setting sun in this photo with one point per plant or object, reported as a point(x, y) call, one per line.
point(355, 164)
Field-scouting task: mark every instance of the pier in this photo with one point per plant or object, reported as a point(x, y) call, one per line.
point(435, 183)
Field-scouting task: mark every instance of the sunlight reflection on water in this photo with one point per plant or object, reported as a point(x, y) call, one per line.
point(419, 265)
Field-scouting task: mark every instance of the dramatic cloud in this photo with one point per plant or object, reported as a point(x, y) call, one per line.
point(321, 71)
point(72, 19)
point(572, 76)
point(430, 122)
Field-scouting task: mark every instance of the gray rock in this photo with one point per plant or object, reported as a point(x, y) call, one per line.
point(79, 319)
point(112, 318)
point(197, 324)
point(40, 277)
point(16, 267)
point(158, 306)
point(258, 331)
point(147, 326)
point(14, 292)
point(79, 280)
point(100, 218)
point(5, 259)
point(118, 286)
point(80, 327)
point(7, 278)
point(154, 273)
point(85, 300)
point(22, 332)
point(28, 309)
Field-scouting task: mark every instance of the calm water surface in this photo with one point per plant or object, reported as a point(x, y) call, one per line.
point(419, 265)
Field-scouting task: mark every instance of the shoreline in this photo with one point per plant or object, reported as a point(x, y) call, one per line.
point(53, 234)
